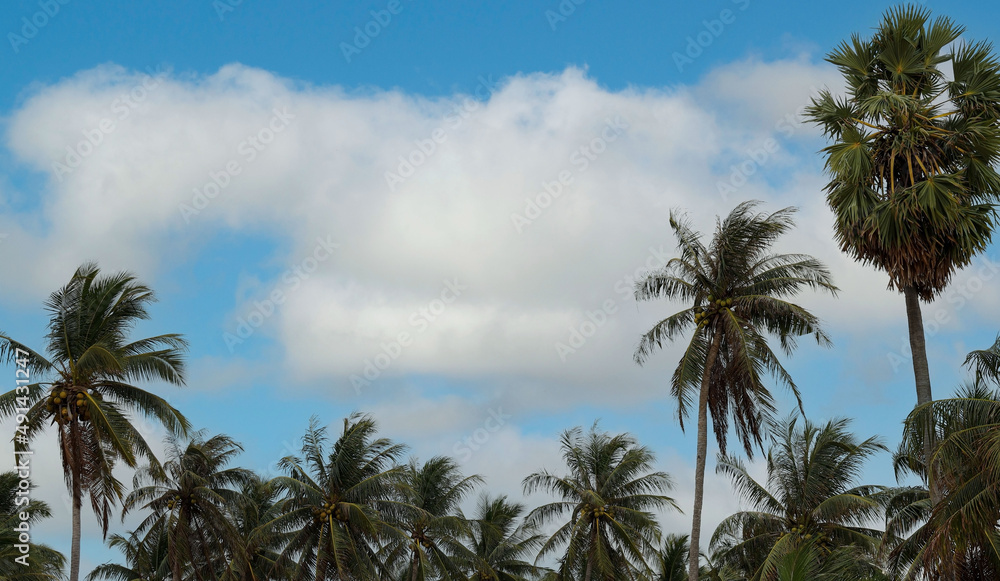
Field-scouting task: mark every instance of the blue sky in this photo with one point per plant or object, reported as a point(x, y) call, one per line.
point(491, 103)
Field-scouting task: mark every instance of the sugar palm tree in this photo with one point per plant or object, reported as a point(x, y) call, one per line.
point(339, 502)
point(958, 536)
point(737, 292)
point(811, 498)
point(912, 178)
point(190, 498)
point(499, 545)
point(432, 522)
point(609, 495)
point(87, 390)
point(40, 563)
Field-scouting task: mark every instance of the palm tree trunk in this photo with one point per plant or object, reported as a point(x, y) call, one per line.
point(590, 553)
point(414, 564)
point(699, 470)
point(921, 375)
point(74, 559)
point(918, 347)
point(72, 452)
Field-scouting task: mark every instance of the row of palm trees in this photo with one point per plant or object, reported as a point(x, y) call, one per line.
point(355, 508)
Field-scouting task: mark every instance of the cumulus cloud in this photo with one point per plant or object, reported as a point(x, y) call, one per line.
point(542, 203)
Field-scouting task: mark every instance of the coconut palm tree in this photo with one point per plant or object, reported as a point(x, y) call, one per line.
point(957, 537)
point(985, 363)
point(87, 391)
point(190, 498)
point(499, 545)
point(339, 501)
point(146, 558)
point(912, 178)
point(432, 522)
point(737, 293)
point(255, 516)
point(811, 499)
point(40, 563)
point(670, 561)
point(609, 495)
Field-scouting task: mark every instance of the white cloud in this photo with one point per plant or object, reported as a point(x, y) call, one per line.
point(324, 177)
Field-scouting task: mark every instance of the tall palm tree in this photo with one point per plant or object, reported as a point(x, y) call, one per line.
point(434, 526)
point(339, 502)
point(499, 545)
point(737, 293)
point(811, 498)
point(609, 495)
point(42, 563)
point(190, 498)
point(88, 392)
point(958, 536)
point(912, 179)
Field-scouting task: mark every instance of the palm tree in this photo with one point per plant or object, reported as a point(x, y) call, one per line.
point(811, 562)
point(190, 497)
point(737, 291)
point(40, 563)
point(811, 499)
point(670, 562)
point(339, 501)
point(146, 558)
point(90, 367)
point(956, 537)
point(255, 516)
point(499, 545)
point(985, 363)
point(609, 495)
point(434, 527)
point(912, 181)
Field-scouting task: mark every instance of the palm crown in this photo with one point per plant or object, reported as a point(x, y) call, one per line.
point(89, 395)
point(912, 177)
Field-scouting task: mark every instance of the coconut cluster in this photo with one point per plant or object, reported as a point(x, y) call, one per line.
point(822, 540)
point(328, 509)
point(176, 500)
point(703, 314)
point(601, 511)
point(68, 404)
